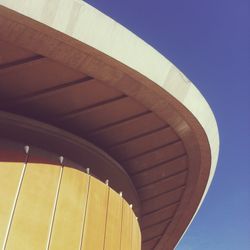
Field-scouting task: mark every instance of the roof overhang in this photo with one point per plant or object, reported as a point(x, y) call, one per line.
point(142, 92)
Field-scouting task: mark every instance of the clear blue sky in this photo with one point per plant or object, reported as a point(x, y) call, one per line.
point(210, 42)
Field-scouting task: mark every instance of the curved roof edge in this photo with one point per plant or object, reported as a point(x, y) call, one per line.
point(117, 42)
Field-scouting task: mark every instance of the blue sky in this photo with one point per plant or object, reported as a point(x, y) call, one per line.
point(210, 42)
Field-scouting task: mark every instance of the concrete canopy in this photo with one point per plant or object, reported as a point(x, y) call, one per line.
point(66, 64)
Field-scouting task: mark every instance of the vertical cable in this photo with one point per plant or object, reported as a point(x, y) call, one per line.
point(85, 210)
point(26, 149)
point(132, 225)
point(121, 221)
point(55, 203)
point(106, 219)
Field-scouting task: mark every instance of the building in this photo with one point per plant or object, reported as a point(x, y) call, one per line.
point(104, 143)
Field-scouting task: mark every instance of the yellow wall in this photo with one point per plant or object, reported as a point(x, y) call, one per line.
point(45, 206)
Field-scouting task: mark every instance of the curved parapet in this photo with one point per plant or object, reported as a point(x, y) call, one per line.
point(69, 66)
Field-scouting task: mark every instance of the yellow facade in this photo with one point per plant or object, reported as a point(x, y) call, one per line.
point(45, 206)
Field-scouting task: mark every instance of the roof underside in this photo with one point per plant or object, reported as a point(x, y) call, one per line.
point(147, 147)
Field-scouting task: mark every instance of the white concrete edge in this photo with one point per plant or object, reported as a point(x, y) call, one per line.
point(78, 20)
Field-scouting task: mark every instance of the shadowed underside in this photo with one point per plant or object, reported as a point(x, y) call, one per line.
point(161, 133)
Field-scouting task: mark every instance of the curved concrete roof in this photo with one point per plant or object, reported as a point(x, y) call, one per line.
point(72, 37)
